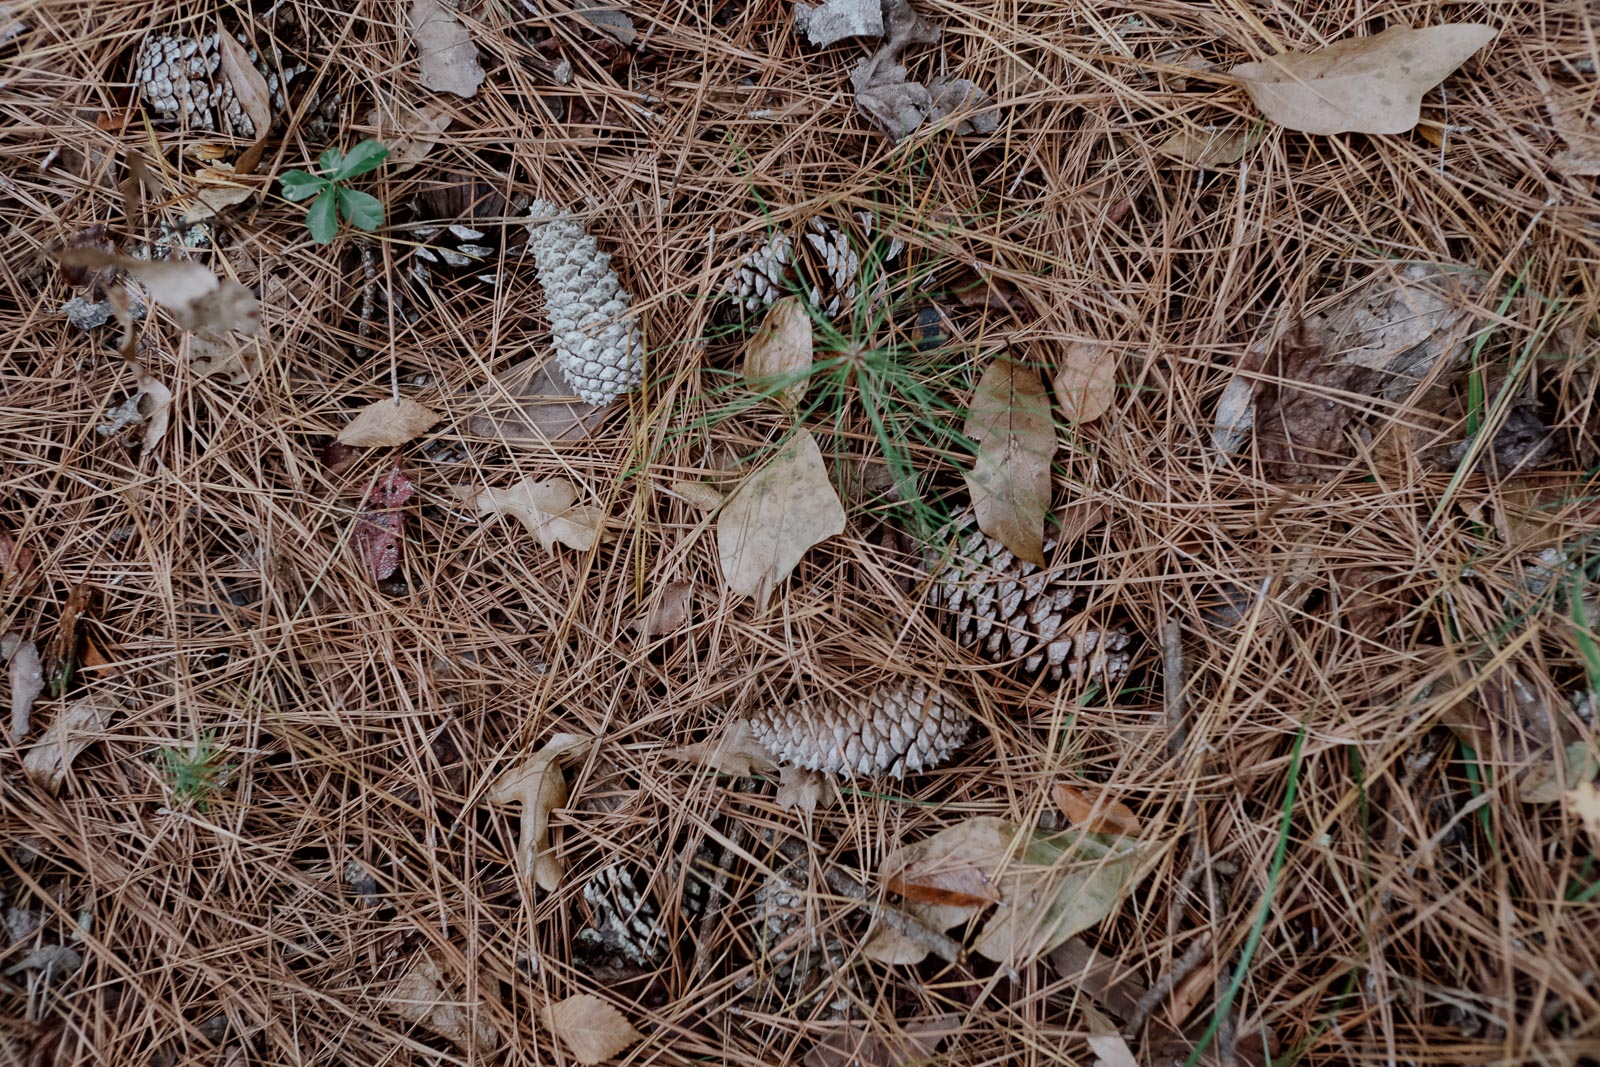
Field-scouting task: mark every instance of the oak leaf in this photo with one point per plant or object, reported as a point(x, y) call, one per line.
point(72, 731)
point(421, 995)
point(774, 516)
point(447, 58)
point(1097, 814)
point(538, 785)
point(549, 510)
point(1362, 85)
point(1010, 479)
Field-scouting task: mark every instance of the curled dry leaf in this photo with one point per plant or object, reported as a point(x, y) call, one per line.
point(387, 423)
point(670, 612)
point(1086, 383)
point(802, 790)
point(871, 1044)
point(592, 1029)
point(72, 731)
point(1108, 1045)
point(249, 87)
point(531, 401)
point(836, 20)
point(223, 357)
point(1379, 339)
point(702, 496)
point(1094, 811)
point(618, 25)
point(155, 404)
point(380, 526)
point(27, 680)
point(1048, 886)
point(549, 510)
point(410, 132)
point(735, 752)
point(774, 516)
point(423, 996)
point(16, 562)
point(1364, 85)
point(1210, 147)
point(196, 298)
point(1584, 802)
point(1010, 479)
point(445, 53)
point(539, 787)
point(777, 362)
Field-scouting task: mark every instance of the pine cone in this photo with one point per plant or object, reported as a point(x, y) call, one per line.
point(1011, 609)
point(598, 344)
point(625, 927)
point(181, 82)
point(830, 274)
point(794, 969)
point(908, 727)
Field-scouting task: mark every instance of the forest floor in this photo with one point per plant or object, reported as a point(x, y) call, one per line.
point(428, 737)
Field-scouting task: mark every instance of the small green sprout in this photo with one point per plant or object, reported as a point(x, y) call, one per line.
point(195, 774)
point(362, 210)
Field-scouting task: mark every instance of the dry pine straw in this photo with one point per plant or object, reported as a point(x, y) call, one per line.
point(361, 725)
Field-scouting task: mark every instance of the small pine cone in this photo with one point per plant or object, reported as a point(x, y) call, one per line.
point(794, 969)
point(598, 344)
point(831, 274)
point(1011, 609)
point(893, 730)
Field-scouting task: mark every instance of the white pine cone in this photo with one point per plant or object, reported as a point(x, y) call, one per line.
point(893, 730)
point(1011, 609)
point(179, 78)
point(598, 343)
point(831, 275)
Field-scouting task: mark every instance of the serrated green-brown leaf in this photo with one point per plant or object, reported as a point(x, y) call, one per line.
point(1010, 479)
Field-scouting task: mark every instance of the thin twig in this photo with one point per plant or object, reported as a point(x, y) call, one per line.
point(941, 945)
point(1165, 984)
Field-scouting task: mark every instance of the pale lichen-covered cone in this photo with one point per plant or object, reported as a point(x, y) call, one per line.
point(894, 730)
point(1010, 609)
point(182, 82)
point(599, 346)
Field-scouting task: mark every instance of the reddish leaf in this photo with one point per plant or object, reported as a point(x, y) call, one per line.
point(1098, 814)
point(381, 526)
point(962, 887)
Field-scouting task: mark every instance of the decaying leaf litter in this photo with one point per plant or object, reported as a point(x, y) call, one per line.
point(1159, 436)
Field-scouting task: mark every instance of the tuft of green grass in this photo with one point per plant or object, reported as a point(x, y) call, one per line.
point(362, 210)
point(197, 773)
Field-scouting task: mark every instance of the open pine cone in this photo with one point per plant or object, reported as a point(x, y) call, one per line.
point(907, 727)
point(182, 82)
point(1010, 609)
point(825, 264)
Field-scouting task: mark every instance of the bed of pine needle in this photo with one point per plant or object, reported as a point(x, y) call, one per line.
point(285, 719)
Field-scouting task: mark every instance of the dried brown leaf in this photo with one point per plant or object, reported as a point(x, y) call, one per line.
point(1060, 885)
point(530, 401)
point(702, 496)
point(1108, 1045)
point(446, 56)
point(248, 84)
point(72, 731)
point(1210, 147)
point(1363, 85)
point(196, 298)
point(1010, 479)
point(421, 996)
point(411, 132)
point(549, 510)
point(387, 423)
point(592, 1029)
point(1302, 387)
point(27, 681)
point(802, 790)
point(1086, 381)
point(227, 358)
point(538, 786)
point(963, 856)
point(774, 516)
point(778, 360)
point(735, 752)
point(155, 404)
point(380, 526)
point(670, 612)
point(836, 20)
point(864, 1044)
point(1584, 802)
point(1094, 811)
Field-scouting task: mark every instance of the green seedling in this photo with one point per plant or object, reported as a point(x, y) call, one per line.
point(195, 774)
point(362, 210)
